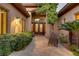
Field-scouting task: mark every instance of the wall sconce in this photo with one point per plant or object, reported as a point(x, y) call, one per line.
point(18, 19)
point(37, 20)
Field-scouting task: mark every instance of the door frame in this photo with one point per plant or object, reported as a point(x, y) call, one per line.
point(33, 28)
point(3, 21)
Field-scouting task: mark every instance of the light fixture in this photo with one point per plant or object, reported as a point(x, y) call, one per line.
point(37, 20)
point(17, 19)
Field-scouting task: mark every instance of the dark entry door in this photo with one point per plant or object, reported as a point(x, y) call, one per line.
point(38, 28)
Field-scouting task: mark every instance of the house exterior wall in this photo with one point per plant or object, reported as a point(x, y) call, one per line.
point(31, 19)
point(28, 24)
point(12, 12)
point(69, 17)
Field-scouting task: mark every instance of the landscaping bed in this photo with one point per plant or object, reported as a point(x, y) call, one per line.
point(14, 42)
point(74, 49)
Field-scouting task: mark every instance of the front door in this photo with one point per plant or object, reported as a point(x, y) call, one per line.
point(38, 28)
point(3, 21)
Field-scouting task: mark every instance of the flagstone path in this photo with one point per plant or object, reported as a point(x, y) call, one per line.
point(39, 47)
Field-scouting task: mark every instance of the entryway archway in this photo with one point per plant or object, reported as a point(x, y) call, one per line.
point(17, 25)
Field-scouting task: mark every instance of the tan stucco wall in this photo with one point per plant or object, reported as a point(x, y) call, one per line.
point(12, 12)
point(55, 27)
point(69, 17)
point(28, 24)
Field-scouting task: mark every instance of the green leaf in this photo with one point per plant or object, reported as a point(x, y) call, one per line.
point(70, 26)
point(50, 9)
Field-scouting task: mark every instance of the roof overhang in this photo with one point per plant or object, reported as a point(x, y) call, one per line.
point(21, 8)
point(33, 7)
point(67, 8)
point(30, 5)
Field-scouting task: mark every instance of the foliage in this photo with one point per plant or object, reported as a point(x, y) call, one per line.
point(23, 39)
point(70, 26)
point(74, 49)
point(12, 42)
point(50, 10)
point(63, 39)
point(5, 47)
point(76, 53)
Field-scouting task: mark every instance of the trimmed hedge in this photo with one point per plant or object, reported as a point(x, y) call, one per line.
point(14, 42)
point(23, 40)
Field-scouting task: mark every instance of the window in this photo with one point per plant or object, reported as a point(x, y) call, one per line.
point(77, 16)
point(3, 17)
point(64, 20)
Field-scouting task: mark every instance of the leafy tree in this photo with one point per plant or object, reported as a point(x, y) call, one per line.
point(70, 26)
point(74, 28)
point(50, 10)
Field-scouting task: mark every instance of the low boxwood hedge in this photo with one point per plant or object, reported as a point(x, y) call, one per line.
point(23, 40)
point(14, 42)
point(5, 47)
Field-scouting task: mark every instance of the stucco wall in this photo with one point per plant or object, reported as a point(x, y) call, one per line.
point(12, 12)
point(69, 17)
point(28, 24)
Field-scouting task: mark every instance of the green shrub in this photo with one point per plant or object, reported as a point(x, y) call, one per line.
point(13, 42)
point(5, 44)
point(6, 48)
point(76, 53)
point(73, 47)
point(63, 39)
point(75, 50)
point(22, 39)
point(19, 42)
point(70, 26)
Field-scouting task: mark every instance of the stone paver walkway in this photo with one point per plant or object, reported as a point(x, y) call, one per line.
point(39, 47)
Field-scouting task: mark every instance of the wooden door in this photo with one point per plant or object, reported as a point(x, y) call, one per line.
point(3, 22)
point(38, 28)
